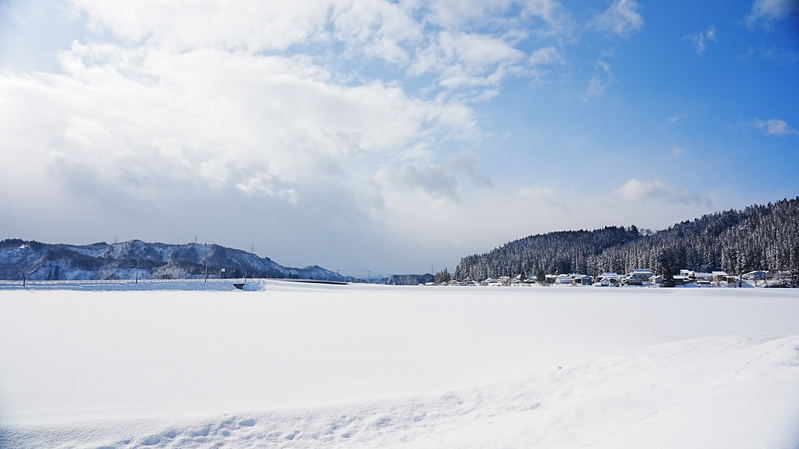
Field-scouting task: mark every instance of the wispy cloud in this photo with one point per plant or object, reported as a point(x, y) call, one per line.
point(621, 18)
point(774, 127)
point(600, 81)
point(546, 56)
point(466, 60)
point(642, 191)
point(464, 14)
point(701, 40)
point(765, 12)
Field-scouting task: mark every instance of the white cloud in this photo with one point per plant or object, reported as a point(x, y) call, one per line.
point(262, 185)
point(430, 180)
point(465, 60)
point(434, 181)
point(378, 29)
point(677, 151)
point(463, 14)
point(466, 162)
point(766, 11)
point(774, 127)
point(138, 121)
point(537, 192)
point(546, 56)
point(179, 26)
point(642, 191)
point(266, 118)
point(600, 81)
point(701, 40)
point(621, 18)
point(171, 151)
point(465, 54)
point(285, 122)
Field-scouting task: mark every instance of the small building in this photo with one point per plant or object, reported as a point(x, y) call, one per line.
point(719, 276)
point(629, 280)
point(638, 277)
point(701, 277)
point(564, 279)
point(643, 275)
point(681, 279)
point(755, 276)
point(609, 278)
point(468, 281)
point(655, 279)
point(582, 279)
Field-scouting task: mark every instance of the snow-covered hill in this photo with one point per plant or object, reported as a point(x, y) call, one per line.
point(136, 259)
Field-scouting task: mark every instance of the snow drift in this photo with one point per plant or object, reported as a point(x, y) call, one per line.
point(377, 366)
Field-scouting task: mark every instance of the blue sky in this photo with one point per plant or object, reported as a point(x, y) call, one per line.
point(389, 136)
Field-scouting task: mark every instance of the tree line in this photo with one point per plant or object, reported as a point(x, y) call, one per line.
point(736, 241)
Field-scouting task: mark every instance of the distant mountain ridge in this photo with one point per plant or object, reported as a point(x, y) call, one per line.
point(755, 238)
point(135, 258)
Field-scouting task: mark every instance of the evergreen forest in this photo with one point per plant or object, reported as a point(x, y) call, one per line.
point(736, 241)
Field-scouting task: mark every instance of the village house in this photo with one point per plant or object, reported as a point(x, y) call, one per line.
point(564, 279)
point(638, 277)
point(609, 278)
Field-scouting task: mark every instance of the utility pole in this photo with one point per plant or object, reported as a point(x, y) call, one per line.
point(205, 257)
point(27, 246)
point(370, 276)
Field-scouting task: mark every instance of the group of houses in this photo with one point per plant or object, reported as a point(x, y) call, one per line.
point(641, 277)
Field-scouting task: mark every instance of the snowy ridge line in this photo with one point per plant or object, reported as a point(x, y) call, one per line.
point(136, 259)
point(694, 393)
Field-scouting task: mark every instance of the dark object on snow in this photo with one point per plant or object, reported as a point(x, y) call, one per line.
point(314, 281)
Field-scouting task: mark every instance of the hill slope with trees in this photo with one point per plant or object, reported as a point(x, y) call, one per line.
point(137, 259)
point(736, 241)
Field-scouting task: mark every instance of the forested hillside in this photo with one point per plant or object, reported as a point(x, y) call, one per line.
point(756, 238)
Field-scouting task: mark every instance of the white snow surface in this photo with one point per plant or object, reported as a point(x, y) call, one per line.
point(308, 366)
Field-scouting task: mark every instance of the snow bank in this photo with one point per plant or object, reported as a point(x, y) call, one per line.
point(140, 285)
point(369, 366)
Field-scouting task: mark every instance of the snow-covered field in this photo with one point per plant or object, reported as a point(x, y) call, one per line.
point(296, 365)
